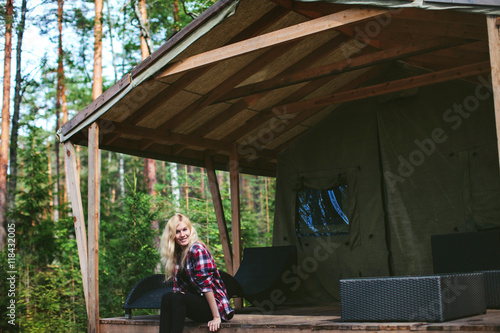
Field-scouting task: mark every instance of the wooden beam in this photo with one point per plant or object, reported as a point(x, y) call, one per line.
point(264, 116)
point(234, 178)
point(164, 95)
point(317, 9)
point(151, 106)
point(315, 55)
point(296, 119)
point(494, 41)
point(75, 198)
point(387, 87)
point(228, 84)
point(347, 65)
point(94, 175)
point(160, 136)
point(261, 117)
point(302, 116)
point(273, 39)
point(219, 214)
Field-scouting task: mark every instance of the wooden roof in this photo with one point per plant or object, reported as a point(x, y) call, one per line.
point(258, 79)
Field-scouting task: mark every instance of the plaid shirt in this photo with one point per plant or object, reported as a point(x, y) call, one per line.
point(201, 275)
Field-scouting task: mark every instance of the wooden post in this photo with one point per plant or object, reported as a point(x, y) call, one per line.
point(219, 214)
point(494, 42)
point(73, 183)
point(234, 176)
point(93, 224)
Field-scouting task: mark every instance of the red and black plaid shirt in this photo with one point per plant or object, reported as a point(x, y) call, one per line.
point(202, 276)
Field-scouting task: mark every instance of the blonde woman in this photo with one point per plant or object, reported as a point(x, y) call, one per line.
point(199, 292)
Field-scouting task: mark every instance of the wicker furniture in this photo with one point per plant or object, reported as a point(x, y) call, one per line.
point(492, 288)
point(433, 298)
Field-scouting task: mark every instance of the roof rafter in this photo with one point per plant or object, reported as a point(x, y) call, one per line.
point(274, 38)
point(313, 56)
point(169, 137)
point(223, 87)
point(389, 87)
point(171, 90)
point(292, 120)
point(343, 66)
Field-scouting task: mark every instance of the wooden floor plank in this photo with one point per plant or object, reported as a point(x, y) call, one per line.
point(305, 319)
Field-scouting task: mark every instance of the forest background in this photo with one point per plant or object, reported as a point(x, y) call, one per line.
point(53, 77)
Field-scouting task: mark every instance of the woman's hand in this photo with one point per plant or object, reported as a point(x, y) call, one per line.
point(214, 324)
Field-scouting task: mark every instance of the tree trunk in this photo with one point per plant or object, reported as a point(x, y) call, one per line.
point(149, 164)
point(97, 85)
point(176, 193)
point(113, 54)
point(146, 47)
point(186, 187)
point(121, 172)
point(49, 172)
point(59, 103)
point(94, 175)
point(177, 24)
point(17, 106)
point(142, 16)
point(4, 137)
point(64, 108)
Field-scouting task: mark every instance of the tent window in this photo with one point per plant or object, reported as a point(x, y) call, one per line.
point(322, 212)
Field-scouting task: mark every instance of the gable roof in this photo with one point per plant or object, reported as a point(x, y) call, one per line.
point(252, 75)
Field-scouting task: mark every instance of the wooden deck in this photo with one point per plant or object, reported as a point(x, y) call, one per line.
point(305, 319)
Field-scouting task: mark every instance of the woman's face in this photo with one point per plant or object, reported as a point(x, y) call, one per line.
point(182, 234)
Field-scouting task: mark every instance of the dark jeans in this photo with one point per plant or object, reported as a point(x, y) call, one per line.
point(175, 307)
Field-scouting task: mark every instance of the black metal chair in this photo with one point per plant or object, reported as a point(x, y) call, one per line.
point(260, 273)
point(147, 294)
point(262, 270)
point(232, 285)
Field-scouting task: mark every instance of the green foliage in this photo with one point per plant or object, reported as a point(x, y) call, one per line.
point(129, 253)
point(35, 226)
point(49, 294)
point(50, 300)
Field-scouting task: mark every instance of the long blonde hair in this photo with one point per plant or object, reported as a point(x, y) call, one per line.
point(171, 253)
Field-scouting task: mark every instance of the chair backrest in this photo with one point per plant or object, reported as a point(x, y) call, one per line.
point(466, 251)
point(262, 268)
point(232, 285)
point(146, 294)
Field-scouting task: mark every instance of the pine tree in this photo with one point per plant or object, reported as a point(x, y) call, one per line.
point(4, 137)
